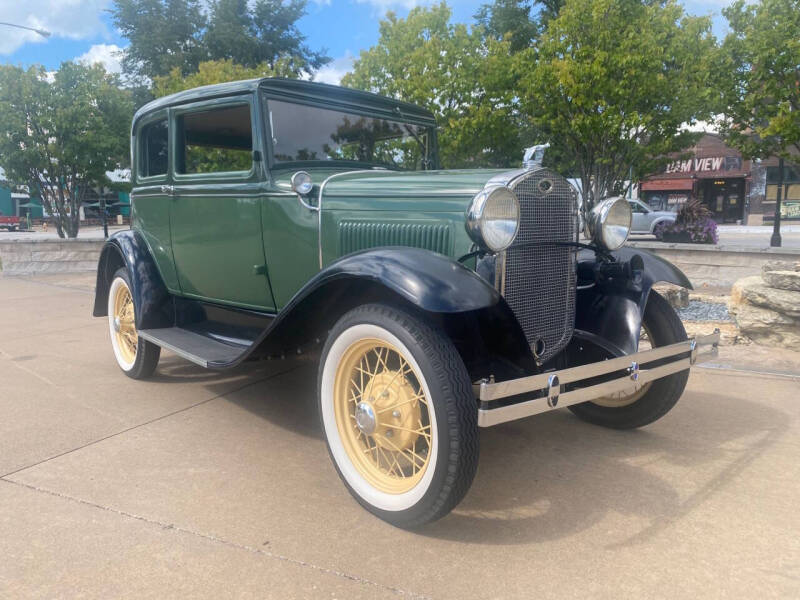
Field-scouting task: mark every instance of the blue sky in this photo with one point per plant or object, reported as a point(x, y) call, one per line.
point(82, 30)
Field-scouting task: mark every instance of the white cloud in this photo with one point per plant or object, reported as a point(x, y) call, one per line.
point(336, 69)
point(381, 6)
point(73, 19)
point(106, 54)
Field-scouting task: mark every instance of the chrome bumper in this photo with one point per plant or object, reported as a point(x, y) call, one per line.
point(548, 386)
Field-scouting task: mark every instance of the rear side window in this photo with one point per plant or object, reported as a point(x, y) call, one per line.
point(153, 144)
point(219, 140)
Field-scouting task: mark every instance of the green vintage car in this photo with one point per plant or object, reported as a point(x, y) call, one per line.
point(275, 217)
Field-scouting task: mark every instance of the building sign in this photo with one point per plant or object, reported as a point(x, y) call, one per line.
point(705, 165)
point(790, 211)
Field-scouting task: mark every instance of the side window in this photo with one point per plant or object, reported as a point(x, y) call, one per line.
point(218, 140)
point(153, 144)
point(636, 207)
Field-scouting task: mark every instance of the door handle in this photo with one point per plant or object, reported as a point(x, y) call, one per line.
point(167, 189)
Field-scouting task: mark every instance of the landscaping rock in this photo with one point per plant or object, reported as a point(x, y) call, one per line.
point(783, 280)
point(780, 265)
point(765, 314)
point(678, 297)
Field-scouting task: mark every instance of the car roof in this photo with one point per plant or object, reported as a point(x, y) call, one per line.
point(297, 90)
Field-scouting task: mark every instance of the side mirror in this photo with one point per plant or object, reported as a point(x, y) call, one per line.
point(301, 183)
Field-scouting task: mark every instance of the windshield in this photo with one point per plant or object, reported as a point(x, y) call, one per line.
point(309, 133)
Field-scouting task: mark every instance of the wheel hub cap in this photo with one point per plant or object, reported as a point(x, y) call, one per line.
point(383, 417)
point(365, 418)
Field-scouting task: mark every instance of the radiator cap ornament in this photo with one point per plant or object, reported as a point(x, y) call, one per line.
point(534, 156)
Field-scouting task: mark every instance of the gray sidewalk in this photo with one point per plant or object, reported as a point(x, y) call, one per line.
point(218, 485)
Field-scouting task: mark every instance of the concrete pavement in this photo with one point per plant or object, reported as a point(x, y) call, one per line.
point(218, 485)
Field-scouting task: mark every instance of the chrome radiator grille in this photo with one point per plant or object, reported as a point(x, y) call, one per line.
point(538, 280)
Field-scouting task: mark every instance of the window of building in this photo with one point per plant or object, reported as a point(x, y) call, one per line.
point(218, 140)
point(790, 174)
point(153, 144)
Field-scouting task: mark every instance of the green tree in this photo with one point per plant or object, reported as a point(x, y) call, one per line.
point(264, 31)
point(612, 83)
point(163, 35)
point(761, 61)
point(62, 136)
point(169, 34)
point(762, 95)
point(510, 18)
point(463, 78)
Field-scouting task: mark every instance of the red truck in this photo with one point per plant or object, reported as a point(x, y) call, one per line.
point(9, 223)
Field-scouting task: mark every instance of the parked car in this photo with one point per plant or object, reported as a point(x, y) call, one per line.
point(8, 223)
point(274, 217)
point(646, 220)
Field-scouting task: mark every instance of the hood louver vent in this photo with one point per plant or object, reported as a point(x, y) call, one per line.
point(361, 235)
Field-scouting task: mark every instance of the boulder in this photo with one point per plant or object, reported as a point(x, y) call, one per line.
point(765, 314)
point(754, 290)
point(781, 265)
point(678, 297)
point(783, 280)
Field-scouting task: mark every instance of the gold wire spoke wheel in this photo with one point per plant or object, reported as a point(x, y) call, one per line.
point(383, 415)
point(637, 390)
point(124, 324)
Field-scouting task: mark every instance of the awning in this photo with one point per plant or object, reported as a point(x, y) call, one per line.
point(667, 184)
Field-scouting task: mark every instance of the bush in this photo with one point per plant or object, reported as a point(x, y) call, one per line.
point(693, 224)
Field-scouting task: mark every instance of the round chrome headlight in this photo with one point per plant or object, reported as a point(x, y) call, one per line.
point(609, 223)
point(493, 218)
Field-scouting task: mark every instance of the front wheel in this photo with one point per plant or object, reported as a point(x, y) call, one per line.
point(399, 415)
point(136, 356)
point(648, 402)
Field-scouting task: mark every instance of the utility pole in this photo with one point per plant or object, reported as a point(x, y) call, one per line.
point(775, 240)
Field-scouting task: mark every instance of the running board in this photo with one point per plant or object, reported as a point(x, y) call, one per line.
point(199, 349)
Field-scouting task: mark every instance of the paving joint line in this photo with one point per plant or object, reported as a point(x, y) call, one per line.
point(219, 540)
point(32, 279)
point(725, 367)
point(149, 422)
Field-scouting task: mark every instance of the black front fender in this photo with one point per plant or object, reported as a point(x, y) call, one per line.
point(154, 308)
point(611, 311)
point(453, 296)
point(420, 278)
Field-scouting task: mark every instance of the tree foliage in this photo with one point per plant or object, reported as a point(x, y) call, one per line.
point(163, 35)
point(762, 96)
point(612, 82)
point(61, 136)
point(512, 19)
point(464, 79)
point(166, 35)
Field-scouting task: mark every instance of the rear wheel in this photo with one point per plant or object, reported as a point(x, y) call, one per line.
point(398, 413)
point(136, 357)
point(644, 403)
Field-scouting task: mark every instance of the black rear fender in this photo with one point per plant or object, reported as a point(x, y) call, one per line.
point(154, 307)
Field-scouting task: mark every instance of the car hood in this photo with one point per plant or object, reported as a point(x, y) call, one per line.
point(381, 183)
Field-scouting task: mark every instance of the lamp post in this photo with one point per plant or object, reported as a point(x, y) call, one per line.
point(42, 32)
point(775, 240)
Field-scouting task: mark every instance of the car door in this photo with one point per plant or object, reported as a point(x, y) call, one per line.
point(216, 203)
point(150, 201)
point(641, 216)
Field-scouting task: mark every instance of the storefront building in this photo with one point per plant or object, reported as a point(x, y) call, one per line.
point(709, 171)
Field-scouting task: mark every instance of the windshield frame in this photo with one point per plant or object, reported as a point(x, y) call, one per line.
point(360, 110)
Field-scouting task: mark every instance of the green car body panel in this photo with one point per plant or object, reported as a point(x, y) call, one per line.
point(195, 229)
